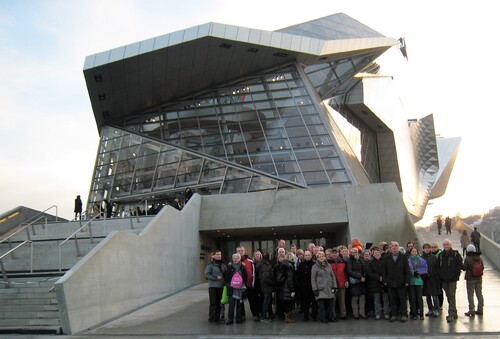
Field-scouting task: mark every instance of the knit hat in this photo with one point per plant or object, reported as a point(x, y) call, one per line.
point(471, 248)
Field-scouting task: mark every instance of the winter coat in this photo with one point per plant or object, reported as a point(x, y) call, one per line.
point(475, 236)
point(464, 240)
point(356, 270)
point(432, 285)
point(323, 281)
point(266, 276)
point(212, 271)
point(375, 272)
point(396, 274)
point(249, 282)
point(470, 259)
point(418, 267)
point(285, 280)
point(340, 270)
point(231, 270)
point(304, 275)
point(449, 265)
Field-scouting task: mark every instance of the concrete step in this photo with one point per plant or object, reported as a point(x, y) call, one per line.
point(28, 308)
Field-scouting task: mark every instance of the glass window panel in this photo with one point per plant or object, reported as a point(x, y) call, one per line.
point(332, 164)
point(257, 146)
point(212, 171)
point(277, 85)
point(126, 166)
point(284, 103)
point(260, 96)
point(316, 177)
point(236, 186)
point(263, 105)
point(310, 165)
point(291, 122)
point(307, 109)
point(314, 68)
point(265, 167)
point(304, 142)
point(148, 161)
point(287, 167)
point(256, 88)
point(278, 144)
point(233, 173)
point(297, 92)
point(326, 152)
point(321, 140)
point(303, 154)
point(289, 111)
point(304, 100)
point(259, 183)
point(338, 176)
point(316, 129)
point(268, 114)
point(249, 127)
point(279, 156)
point(294, 132)
point(293, 177)
point(261, 157)
point(281, 94)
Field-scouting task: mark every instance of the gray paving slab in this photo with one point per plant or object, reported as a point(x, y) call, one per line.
point(184, 315)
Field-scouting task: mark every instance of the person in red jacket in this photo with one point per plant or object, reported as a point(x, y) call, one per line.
point(339, 269)
point(253, 295)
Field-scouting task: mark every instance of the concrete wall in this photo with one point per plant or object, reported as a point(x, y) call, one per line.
point(489, 248)
point(377, 213)
point(126, 271)
point(324, 205)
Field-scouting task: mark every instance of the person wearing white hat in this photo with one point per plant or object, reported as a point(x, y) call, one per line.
point(473, 267)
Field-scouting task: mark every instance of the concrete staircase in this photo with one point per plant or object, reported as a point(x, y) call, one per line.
point(28, 306)
point(27, 303)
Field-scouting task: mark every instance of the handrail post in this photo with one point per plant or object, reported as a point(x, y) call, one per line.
point(12, 255)
point(4, 274)
point(33, 229)
point(131, 223)
point(28, 233)
point(60, 258)
point(90, 235)
point(77, 247)
point(31, 259)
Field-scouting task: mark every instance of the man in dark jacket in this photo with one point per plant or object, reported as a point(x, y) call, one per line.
point(396, 277)
point(214, 273)
point(304, 284)
point(449, 269)
point(432, 285)
point(267, 282)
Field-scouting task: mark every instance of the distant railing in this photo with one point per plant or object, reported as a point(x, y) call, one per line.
point(31, 223)
point(489, 248)
point(77, 248)
point(4, 272)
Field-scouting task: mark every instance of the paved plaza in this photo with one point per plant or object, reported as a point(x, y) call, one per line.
point(184, 315)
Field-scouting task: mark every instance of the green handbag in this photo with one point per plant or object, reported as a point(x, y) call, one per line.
point(224, 299)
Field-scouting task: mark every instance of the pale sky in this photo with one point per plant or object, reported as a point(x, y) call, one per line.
point(48, 134)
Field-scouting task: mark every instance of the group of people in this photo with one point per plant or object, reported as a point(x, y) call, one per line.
point(474, 239)
point(343, 282)
point(447, 225)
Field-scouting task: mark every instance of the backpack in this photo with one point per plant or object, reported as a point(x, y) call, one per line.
point(236, 281)
point(477, 269)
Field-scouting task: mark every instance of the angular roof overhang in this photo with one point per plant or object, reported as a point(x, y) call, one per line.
point(130, 79)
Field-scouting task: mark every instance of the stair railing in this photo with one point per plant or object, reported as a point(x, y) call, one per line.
point(4, 272)
point(73, 235)
point(25, 227)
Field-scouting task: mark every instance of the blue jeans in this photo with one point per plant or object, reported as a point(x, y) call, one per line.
point(265, 305)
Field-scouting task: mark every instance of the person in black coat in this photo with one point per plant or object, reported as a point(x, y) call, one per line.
point(188, 193)
point(375, 286)
point(357, 276)
point(236, 296)
point(304, 285)
point(396, 277)
point(449, 269)
point(265, 274)
point(78, 208)
point(432, 285)
point(285, 287)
